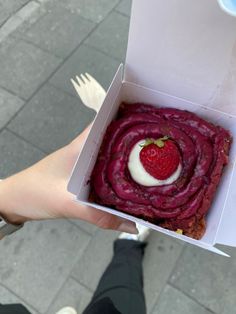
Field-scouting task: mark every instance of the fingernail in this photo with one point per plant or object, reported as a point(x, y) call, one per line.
point(128, 227)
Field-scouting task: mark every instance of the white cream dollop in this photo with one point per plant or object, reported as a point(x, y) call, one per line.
point(140, 175)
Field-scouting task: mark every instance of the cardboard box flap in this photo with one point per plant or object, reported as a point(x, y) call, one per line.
point(185, 48)
point(227, 232)
point(80, 176)
point(157, 228)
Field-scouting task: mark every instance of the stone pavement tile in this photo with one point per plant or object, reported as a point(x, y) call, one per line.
point(85, 59)
point(124, 7)
point(173, 301)
point(9, 7)
point(90, 228)
point(59, 31)
point(9, 26)
point(29, 67)
point(7, 297)
point(71, 294)
point(111, 36)
point(94, 10)
point(95, 259)
point(9, 105)
point(30, 8)
point(31, 19)
point(205, 277)
point(16, 154)
point(51, 119)
point(160, 258)
point(16, 20)
point(39, 259)
point(229, 301)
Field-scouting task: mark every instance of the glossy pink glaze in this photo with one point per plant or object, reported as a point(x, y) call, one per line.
point(204, 151)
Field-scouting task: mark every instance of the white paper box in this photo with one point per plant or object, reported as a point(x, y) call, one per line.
point(182, 54)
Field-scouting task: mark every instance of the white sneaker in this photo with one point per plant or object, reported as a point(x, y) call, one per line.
point(67, 310)
point(141, 236)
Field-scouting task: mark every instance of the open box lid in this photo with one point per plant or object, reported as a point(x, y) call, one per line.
point(185, 48)
point(196, 63)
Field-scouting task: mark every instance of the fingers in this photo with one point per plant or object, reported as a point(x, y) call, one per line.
point(98, 217)
point(108, 221)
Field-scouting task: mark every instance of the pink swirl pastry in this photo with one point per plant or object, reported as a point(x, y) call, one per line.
point(180, 202)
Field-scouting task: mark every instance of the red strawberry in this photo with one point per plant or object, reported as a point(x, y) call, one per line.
point(160, 158)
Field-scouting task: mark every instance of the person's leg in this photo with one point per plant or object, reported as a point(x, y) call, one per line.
point(13, 309)
point(122, 282)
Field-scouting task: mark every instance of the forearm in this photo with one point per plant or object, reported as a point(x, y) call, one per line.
point(7, 211)
point(40, 192)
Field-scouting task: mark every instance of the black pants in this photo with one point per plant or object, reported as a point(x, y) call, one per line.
point(13, 309)
point(120, 289)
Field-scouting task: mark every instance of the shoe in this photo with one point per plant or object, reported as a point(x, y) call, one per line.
point(141, 236)
point(67, 310)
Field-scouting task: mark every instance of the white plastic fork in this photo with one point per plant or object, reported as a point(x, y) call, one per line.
point(91, 93)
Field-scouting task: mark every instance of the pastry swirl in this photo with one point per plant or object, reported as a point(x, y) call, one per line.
point(183, 204)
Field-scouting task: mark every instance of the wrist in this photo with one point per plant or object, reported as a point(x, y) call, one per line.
point(7, 210)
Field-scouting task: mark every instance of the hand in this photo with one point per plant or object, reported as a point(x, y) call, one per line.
point(40, 192)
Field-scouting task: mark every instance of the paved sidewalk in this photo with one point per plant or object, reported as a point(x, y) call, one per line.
point(52, 264)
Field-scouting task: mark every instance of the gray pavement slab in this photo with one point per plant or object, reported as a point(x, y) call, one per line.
point(31, 19)
point(111, 36)
point(39, 259)
point(85, 59)
point(17, 19)
point(10, 26)
point(59, 31)
point(173, 301)
point(95, 259)
point(124, 7)
point(24, 67)
point(51, 119)
point(9, 106)
point(72, 294)
point(229, 301)
point(160, 258)
point(27, 10)
point(16, 154)
point(94, 10)
point(7, 297)
point(9, 7)
point(206, 277)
